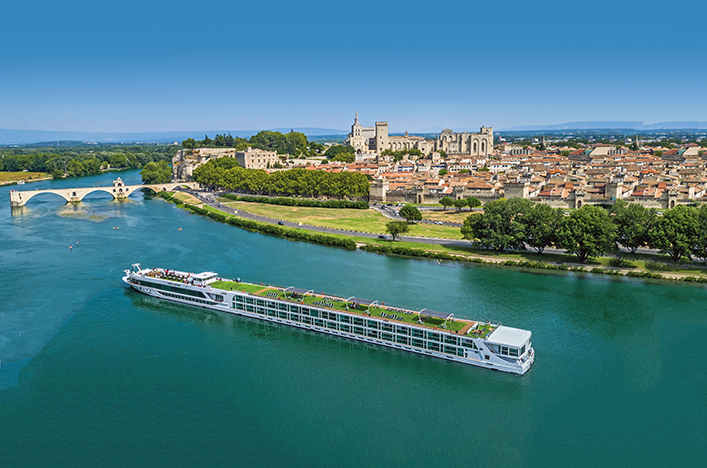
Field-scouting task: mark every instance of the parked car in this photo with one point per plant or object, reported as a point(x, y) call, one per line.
point(439, 222)
point(280, 223)
point(382, 237)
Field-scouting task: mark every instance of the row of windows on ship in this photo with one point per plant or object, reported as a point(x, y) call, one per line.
point(361, 326)
point(357, 325)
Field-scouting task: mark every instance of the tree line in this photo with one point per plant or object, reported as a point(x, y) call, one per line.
point(293, 143)
point(289, 201)
point(76, 161)
point(517, 223)
point(225, 173)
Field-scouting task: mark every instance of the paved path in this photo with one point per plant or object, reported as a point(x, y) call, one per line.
point(392, 212)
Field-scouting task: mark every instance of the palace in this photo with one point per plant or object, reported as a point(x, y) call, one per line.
point(376, 139)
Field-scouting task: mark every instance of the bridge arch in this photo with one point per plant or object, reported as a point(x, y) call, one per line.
point(24, 197)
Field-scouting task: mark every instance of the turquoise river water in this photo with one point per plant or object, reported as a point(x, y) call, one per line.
point(93, 374)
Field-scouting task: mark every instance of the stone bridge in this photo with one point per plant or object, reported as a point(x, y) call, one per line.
point(118, 191)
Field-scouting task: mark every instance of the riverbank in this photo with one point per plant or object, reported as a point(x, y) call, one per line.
point(12, 178)
point(440, 252)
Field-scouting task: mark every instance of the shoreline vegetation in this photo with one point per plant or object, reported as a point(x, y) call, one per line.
point(643, 268)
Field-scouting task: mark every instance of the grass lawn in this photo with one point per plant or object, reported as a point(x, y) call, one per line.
point(450, 216)
point(355, 220)
point(187, 198)
point(17, 176)
point(233, 286)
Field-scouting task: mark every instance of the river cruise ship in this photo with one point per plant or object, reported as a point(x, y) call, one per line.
point(427, 332)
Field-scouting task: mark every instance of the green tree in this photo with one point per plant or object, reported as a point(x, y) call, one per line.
point(540, 225)
point(633, 224)
point(343, 153)
point(473, 202)
point(156, 173)
point(460, 203)
point(699, 243)
point(75, 169)
point(443, 154)
point(587, 232)
point(443, 172)
point(675, 232)
point(499, 227)
point(410, 213)
point(446, 202)
point(395, 228)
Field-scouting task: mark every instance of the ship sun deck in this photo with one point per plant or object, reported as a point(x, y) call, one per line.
point(365, 307)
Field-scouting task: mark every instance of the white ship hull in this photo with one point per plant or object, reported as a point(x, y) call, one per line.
point(482, 356)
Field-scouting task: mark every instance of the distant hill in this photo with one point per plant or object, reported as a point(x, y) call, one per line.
point(613, 125)
point(24, 137)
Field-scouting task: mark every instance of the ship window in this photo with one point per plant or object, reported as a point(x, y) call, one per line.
point(450, 339)
point(345, 328)
point(433, 346)
point(272, 313)
point(433, 336)
point(450, 349)
point(282, 306)
point(387, 336)
point(460, 352)
point(314, 313)
point(249, 308)
point(239, 298)
point(304, 311)
point(319, 322)
point(513, 352)
point(345, 318)
point(282, 315)
point(295, 317)
point(271, 304)
point(373, 333)
point(358, 321)
point(403, 330)
point(372, 324)
point(218, 298)
point(260, 302)
point(522, 350)
point(402, 339)
point(504, 350)
point(418, 343)
point(387, 327)
point(306, 319)
point(418, 333)
point(358, 330)
point(294, 309)
point(331, 325)
point(249, 300)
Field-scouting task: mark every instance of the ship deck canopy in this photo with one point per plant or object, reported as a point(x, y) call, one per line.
point(203, 276)
point(358, 300)
point(293, 290)
point(509, 336)
point(434, 313)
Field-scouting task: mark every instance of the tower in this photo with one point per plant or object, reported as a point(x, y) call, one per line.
point(382, 136)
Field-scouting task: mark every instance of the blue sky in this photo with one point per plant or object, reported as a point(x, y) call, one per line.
point(165, 66)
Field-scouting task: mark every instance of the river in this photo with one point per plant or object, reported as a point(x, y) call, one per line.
point(93, 374)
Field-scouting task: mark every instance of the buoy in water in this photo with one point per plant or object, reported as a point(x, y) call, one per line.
point(179, 229)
